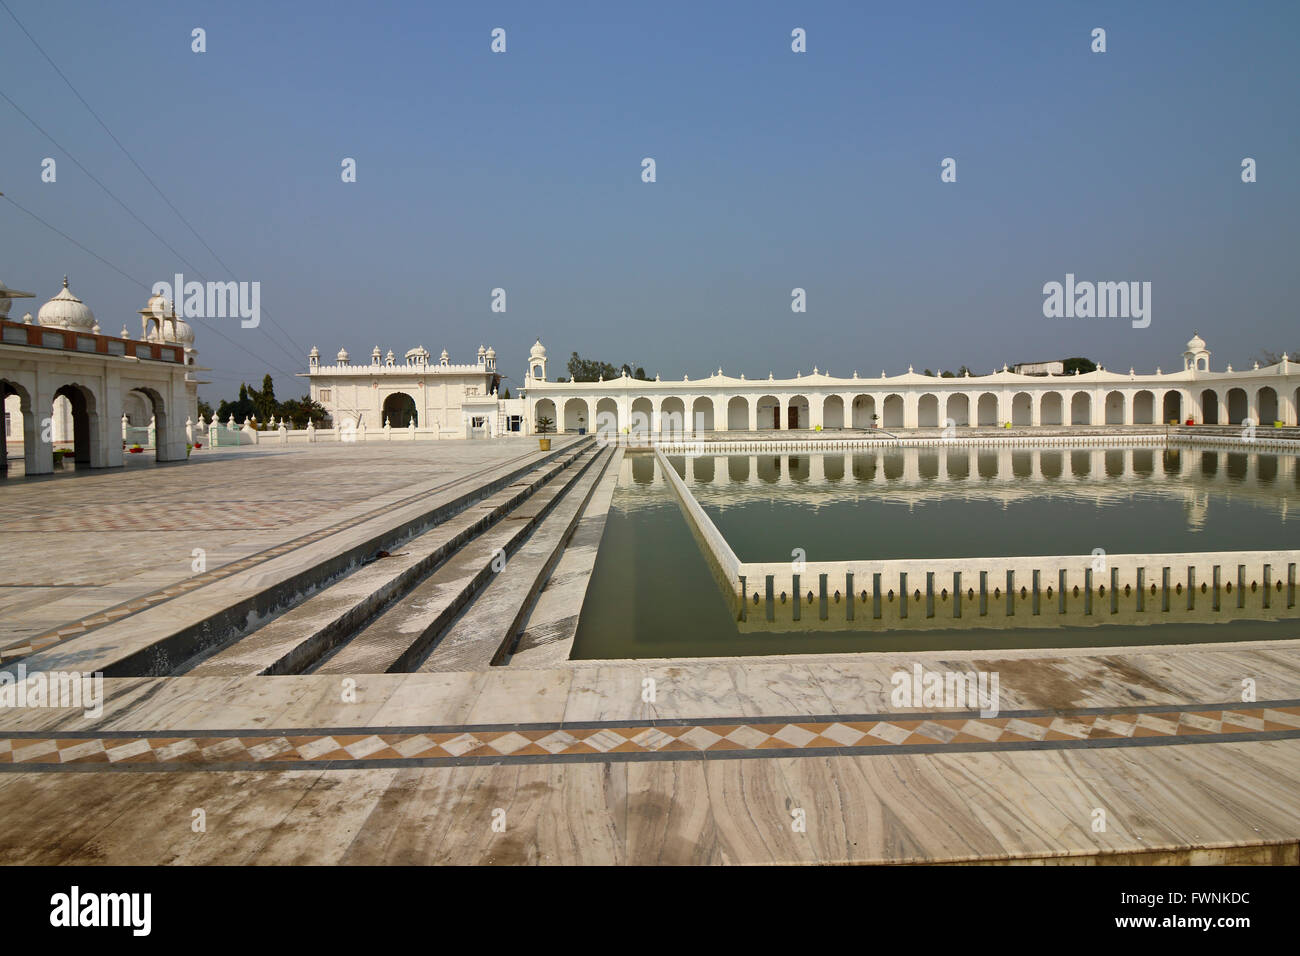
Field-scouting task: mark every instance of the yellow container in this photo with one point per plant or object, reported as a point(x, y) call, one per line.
point(544, 444)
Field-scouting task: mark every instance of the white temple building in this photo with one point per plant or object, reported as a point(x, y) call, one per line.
point(66, 383)
point(439, 400)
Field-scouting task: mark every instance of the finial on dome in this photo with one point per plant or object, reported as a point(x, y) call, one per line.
point(65, 280)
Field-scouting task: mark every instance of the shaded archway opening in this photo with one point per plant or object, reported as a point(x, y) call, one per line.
point(833, 412)
point(1051, 409)
point(1144, 408)
point(1172, 408)
point(892, 416)
point(672, 416)
point(1209, 407)
point(738, 415)
point(987, 409)
point(1081, 409)
point(769, 413)
point(84, 421)
point(19, 425)
point(1238, 410)
point(1266, 402)
point(957, 409)
point(1022, 409)
point(399, 411)
point(544, 415)
point(927, 411)
point(1114, 406)
point(864, 411)
point(796, 413)
point(606, 422)
point(157, 414)
point(702, 415)
point(642, 412)
point(576, 415)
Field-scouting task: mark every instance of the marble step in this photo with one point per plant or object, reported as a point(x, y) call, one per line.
point(299, 637)
point(400, 636)
point(486, 632)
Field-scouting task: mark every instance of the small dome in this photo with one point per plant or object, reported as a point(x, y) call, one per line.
point(443, 358)
point(538, 351)
point(66, 311)
point(1195, 343)
point(342, 356)
point(314, 353)
point(490, 353)
point(157, 306)
point(481, 351)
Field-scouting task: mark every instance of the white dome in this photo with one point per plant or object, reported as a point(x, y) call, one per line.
point(66, 311)
point(1195, 343)
point(184, 332)
point(342, 356)
point(491, 353)
point(538, 351)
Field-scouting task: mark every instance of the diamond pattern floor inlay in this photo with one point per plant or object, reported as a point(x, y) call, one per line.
point(363, 748)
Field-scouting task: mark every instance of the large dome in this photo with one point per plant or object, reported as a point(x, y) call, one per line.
point(66, 311)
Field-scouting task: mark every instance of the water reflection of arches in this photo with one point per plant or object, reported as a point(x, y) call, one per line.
point(400, 411)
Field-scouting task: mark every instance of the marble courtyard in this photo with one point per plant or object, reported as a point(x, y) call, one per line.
point(343, 676)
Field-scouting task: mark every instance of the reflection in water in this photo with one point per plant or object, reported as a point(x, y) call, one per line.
point(653, 593)
point(973, 501)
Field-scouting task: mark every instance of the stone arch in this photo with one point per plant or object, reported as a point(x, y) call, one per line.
point(1266, 402)
point(891, 415)
point(769, 407)
point(642, 416)
point(162, 431)
point(1209, 407)
point(1238, 408)
point(1144, 408)
point(672, 416)
point(1171, 407)
point(544, 408)
point(833, 412)
point(399, 411)
point(1051, 408)
point(738, 414)
point(1113, 404)
point(1022, 409)
point(1081, 409)
point(864, 407)
point(577, 415)
point(26, 425)
point(986, 411)
point(927, 411)
point(796, 412)
point(957, 408)
point(606, 422)
point(702, 414)
point(87, 447)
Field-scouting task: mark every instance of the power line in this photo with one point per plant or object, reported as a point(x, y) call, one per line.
point(134, 280)
point(134, 162)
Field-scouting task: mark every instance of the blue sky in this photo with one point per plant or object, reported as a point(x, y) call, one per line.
point(775, 170)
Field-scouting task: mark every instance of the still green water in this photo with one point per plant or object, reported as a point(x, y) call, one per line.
point(652, 593)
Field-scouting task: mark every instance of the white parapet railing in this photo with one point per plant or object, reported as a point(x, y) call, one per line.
point(755, 586)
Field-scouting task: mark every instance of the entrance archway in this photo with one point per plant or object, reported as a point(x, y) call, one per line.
point(796, 413)
point(702, 415)
point(833, 412)
point(576, 415)
point(738, 414)
point(987, 409)
point(86, 448)
point(1209, 407)
point(399, 411)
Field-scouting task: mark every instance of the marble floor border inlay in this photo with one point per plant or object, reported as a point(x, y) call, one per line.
point(718, 738)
